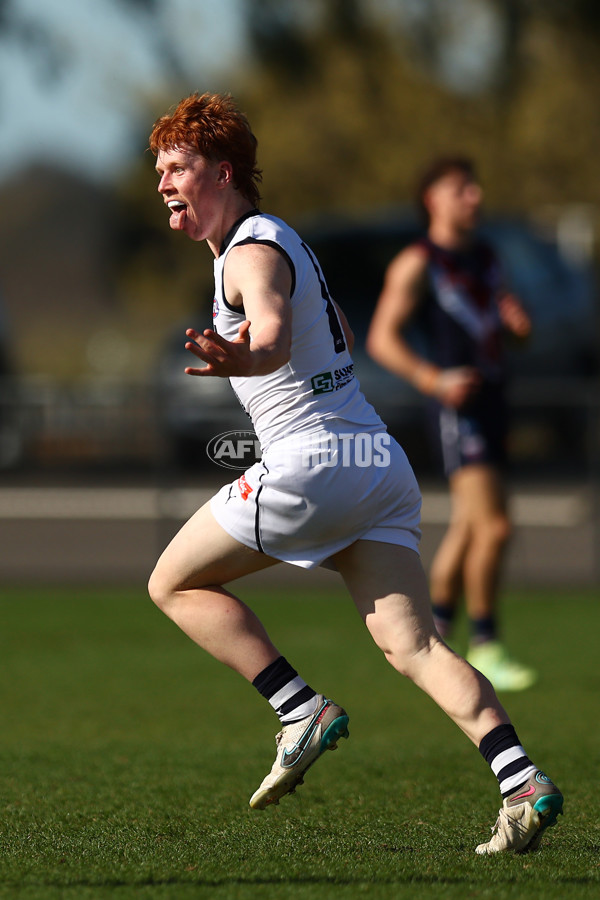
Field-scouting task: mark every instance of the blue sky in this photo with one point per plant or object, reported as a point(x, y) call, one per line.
point(87, 116)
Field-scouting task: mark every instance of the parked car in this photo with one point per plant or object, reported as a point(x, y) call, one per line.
point(193, 410)
point(560, 296)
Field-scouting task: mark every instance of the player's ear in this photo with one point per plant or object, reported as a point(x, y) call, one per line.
point(225, 173)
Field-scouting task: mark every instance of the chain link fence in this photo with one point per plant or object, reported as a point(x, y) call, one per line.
point(111, 437)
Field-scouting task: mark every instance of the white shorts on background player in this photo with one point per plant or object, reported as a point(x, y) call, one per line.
point(303, 513)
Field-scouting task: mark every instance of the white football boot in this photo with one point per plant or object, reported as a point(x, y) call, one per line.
point(299, 745)
point(524, 817)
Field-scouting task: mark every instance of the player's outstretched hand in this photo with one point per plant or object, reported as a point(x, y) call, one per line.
point(223, 358)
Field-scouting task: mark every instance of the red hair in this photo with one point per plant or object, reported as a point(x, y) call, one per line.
point(214, 126)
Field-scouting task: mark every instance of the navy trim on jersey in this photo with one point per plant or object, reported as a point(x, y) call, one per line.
point(266, 243)
point(278, 247)
point(239, 310)
point(337, 332)
point(232, 231)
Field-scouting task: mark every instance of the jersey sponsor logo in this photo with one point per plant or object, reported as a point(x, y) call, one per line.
point(327, 382)
point(215, 308)
point(234, 449)
point(323, 383)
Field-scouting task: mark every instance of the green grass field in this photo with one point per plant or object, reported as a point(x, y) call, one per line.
point(127, 758)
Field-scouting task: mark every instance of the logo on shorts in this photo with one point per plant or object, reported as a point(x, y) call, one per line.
point(245, 489)
point(234, 449)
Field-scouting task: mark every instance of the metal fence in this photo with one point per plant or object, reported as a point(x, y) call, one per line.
point(50, 432)
point(555, 431)
point(44, 425)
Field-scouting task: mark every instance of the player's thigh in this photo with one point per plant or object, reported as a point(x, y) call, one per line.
point(477, 493)
point(389, 587)
point(203, 553)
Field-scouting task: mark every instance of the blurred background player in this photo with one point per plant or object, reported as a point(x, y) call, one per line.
point(450, 282)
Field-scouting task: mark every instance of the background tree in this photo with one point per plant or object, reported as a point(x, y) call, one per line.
point(349, 99)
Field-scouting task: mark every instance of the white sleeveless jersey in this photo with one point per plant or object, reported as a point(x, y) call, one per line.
point(318, 383)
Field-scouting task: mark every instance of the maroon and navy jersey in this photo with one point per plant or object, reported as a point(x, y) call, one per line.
point(460, 310)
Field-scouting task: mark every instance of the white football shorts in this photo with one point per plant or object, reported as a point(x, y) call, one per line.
point(313, 495)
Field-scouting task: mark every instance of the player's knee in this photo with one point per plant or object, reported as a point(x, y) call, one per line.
point(500, 530)
point(407, 656)
point(160, 589)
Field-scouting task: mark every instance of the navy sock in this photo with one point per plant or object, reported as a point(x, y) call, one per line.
point(503, 752)
point(483, 629)
point(443, 617)
point(290, 696)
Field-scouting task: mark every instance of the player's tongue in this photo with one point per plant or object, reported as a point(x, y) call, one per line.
point(178, 214)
